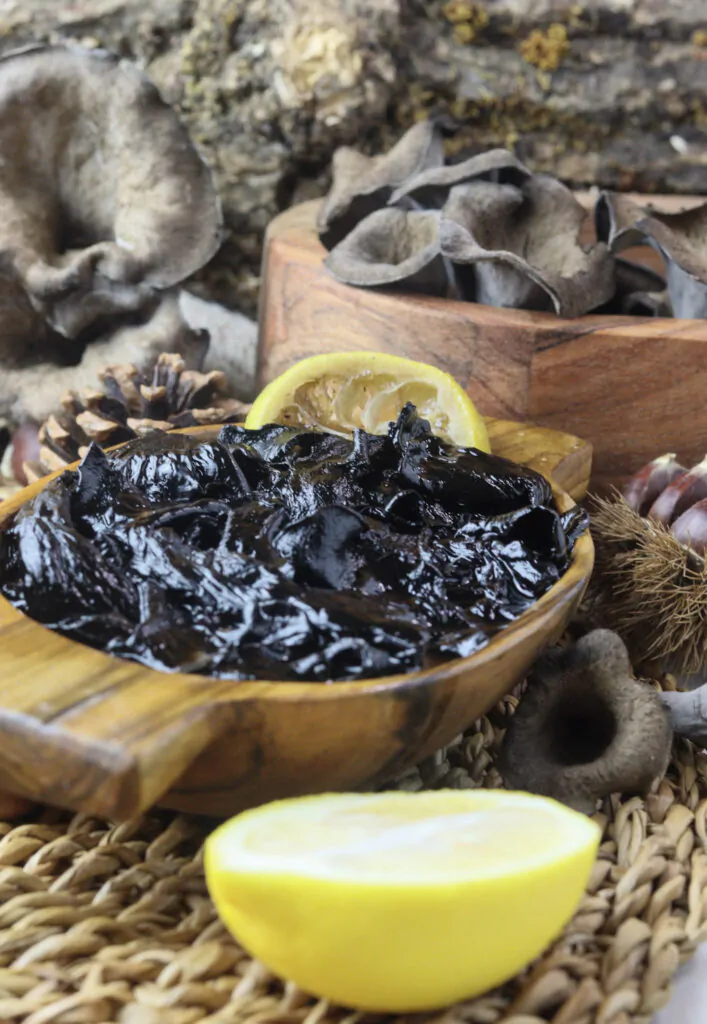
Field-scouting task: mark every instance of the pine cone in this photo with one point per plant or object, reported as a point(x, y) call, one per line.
point(131, 404)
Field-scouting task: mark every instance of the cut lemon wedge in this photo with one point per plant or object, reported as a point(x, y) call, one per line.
point(345, 390)
point(400, 902)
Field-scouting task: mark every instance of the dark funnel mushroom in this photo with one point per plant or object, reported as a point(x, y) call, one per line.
point(680, 238)
point(523, 245)
point(104, 200)
point(362, 184)
point(393, 247)
point(640, 291)
point(586, 728)
point(430, 188)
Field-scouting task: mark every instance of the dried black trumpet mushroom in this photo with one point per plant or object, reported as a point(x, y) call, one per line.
point(285, 554)
point(639, 291)
point(362, 184)
point(585, 727)
point(103, 198)
point(129, 404)
point(104, 205)
point(393, 247)
point(523, 244)
point(430, 188)
point(681, 239)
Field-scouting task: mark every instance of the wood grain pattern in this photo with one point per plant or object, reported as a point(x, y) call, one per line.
point(632, 386)
point(93, 733)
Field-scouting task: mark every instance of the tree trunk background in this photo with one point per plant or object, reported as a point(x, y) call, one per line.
point(601, 92)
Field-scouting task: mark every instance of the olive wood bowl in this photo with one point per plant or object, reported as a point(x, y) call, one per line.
point(86, 731)
point(632, 386)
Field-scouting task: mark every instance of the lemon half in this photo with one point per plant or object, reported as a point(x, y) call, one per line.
point(400, 902)
point(345, 390)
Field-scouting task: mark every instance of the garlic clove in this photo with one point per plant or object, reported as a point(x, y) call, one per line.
point(684, 491)
point(648, 483)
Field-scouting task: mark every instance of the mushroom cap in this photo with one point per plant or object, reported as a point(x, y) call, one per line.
point(430, 187)
point(389, 247)
point(103, 197)
point(680, 238)
point(363, 184)
point(523, 244)
point(586, 728)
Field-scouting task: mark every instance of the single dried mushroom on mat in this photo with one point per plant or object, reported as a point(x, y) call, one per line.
point(586, 728)
point(523, 245)
point(681, 239)
point(103, 198)
point(130, 404)
point(393, 247)
point(362, 184)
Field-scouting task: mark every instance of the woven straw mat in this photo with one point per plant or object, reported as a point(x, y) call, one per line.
point(113, 924)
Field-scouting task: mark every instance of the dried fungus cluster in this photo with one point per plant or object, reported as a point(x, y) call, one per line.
point(487, 230)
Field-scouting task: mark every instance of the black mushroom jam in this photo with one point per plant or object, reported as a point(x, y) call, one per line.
point(283, 554)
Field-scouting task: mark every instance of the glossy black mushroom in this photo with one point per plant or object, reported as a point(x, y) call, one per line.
point(287, 554)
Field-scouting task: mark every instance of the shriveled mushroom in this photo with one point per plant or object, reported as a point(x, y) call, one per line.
point(393, 247)
point(586, 728)
point(681, 239)
point(362, 184)
point(104, 200)
point(34, 391)
point(430, 188)
point(640, 291)
point(523, 245)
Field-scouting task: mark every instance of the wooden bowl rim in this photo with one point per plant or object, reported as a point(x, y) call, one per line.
point(539, 319)
point(533, 620)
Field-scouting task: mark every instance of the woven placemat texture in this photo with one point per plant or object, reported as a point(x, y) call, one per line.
point(106, 924)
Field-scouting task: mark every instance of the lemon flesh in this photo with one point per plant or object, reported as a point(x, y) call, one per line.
point(343, 391)
point(400, 902)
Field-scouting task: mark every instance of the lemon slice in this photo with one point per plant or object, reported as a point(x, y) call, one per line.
point(345, 390)
point(400, 902)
